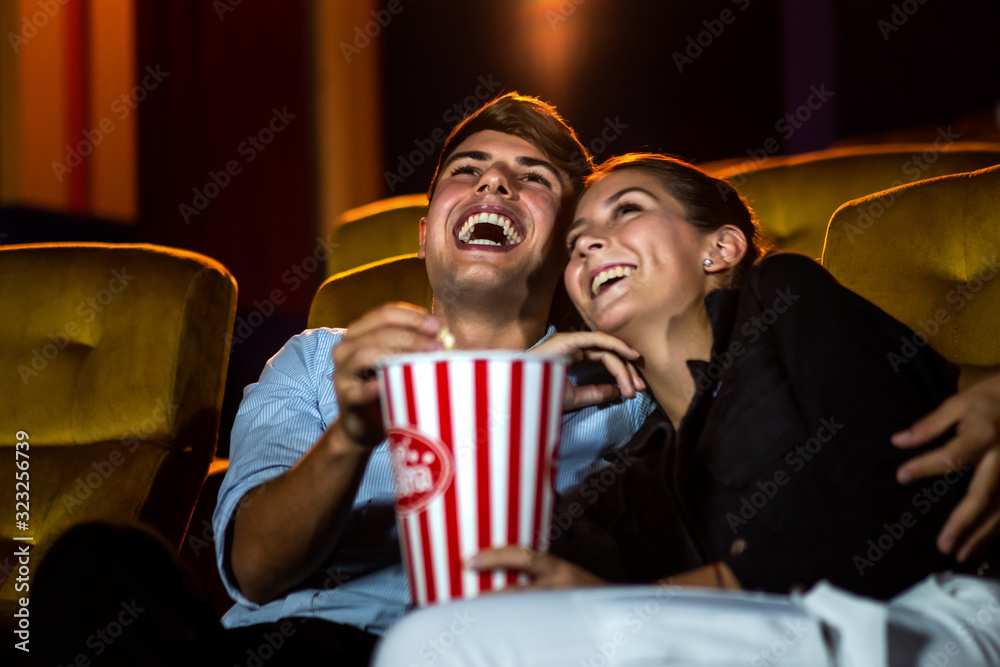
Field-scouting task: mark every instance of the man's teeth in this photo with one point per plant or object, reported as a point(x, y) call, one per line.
point(465, 234)
point(605, 276)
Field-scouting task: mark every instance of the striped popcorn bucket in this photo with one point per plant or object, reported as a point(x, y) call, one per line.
point(473, 438)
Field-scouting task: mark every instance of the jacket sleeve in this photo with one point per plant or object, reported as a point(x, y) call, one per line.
point(621, 523)
point(860, 374)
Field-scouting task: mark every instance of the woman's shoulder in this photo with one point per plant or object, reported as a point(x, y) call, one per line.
point(792, 273)
point(790, 263)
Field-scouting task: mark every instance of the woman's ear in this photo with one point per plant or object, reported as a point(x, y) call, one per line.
point(423, 235)
point(728, 246)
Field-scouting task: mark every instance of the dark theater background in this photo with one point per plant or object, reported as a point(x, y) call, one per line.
point(241, 128)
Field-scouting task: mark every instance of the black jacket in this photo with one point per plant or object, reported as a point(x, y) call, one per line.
point(782, 466)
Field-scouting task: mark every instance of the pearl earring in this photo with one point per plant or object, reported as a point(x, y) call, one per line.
point(706, 262)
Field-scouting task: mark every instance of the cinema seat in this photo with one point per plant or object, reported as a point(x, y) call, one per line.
point(795, 196)
point(113, 362)
point(927, 253)
point(376, 231)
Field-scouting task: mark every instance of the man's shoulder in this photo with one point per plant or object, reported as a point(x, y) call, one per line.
point(312, 342)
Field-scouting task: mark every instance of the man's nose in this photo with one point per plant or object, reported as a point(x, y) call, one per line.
point(493, 181)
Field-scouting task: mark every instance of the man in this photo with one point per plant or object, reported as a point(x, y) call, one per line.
point(305, 518)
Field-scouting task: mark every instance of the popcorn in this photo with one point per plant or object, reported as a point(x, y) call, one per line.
point(446, 339)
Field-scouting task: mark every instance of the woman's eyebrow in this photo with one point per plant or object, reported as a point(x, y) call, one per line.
point(610, 201)
point(621, 193)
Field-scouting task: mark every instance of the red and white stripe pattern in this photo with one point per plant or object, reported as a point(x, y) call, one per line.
point(498, 416)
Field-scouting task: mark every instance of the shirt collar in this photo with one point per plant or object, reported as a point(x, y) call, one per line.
point(548, 334)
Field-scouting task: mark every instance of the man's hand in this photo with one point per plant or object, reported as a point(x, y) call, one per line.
point(975, 414)
point(388, 330)
point(545, 570)
point(616, 356)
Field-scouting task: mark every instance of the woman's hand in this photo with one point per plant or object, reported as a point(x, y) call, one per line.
point(545, 570)
point(975, 414)
point(616, 356)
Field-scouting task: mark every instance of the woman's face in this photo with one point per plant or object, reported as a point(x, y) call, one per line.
point(635, 260)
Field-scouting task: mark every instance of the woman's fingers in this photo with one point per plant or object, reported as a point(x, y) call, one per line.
point(521, 559)
point(545, 570)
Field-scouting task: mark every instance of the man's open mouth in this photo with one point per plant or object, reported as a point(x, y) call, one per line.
point(489, 229)
point(608, 276)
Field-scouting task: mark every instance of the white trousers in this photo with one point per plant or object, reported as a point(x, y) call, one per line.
point(944, 621)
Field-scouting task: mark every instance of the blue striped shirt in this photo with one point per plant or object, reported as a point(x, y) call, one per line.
point(363, 582)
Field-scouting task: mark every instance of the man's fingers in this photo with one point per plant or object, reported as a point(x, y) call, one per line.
point(356, 355)
point(957, 452)
point(930, 426)
point(982, 536)
point(978, 511)
point(399, 315)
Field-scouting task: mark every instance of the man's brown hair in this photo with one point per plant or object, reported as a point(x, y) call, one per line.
point(530, 119)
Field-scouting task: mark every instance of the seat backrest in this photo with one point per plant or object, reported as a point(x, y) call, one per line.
point(113, 362)
point(795, 196)
point(927, 254)
point(376, 231)
point(346, 296)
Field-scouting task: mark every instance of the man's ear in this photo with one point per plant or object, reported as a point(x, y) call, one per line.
point(423, 235)
point(728, 247)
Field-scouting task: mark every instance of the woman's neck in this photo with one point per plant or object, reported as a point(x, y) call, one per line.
point(665, 352)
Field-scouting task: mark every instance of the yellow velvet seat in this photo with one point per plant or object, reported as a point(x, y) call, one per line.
point(795, 196)
point(376, 231)
point(113, 359)
point(345, 297)
point(927, 253)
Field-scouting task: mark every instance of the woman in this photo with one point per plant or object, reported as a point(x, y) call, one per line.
point(768, 466)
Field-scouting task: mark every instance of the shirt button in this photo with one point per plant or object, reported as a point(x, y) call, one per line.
point(738, 546)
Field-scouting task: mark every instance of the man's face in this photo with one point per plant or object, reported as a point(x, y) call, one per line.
point(493, 215)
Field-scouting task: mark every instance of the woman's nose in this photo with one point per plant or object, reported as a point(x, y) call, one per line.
point(588, 243)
